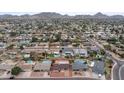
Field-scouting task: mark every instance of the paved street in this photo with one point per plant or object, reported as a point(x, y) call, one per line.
point(115, 72)
point(121, 72)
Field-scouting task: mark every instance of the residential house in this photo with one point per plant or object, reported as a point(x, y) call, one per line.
point(81, 52)
point(94, 48)
point(25, 66)
point(60, 68)
point(79, 65)
point(55, 45)
point(67, 51)
point(42, 47)
point(44, 66)
point(101, 35)
point(98, 67)
point(6, 67)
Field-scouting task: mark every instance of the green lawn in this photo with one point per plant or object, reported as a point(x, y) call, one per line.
point(50, 56)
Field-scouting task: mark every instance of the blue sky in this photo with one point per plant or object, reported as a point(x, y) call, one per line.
point(70, 7)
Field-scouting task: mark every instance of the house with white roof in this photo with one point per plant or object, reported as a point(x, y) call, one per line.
point(81, 52)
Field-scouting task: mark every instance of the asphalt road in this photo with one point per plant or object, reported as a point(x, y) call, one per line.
point(121, 72)
point(115, 72)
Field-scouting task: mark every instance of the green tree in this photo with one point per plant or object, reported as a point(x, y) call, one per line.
point(112, 40)
point(107, 47)
point(10, 46)
point(21, 47)
point(12, 34)
point(16, 70)
point(34, 39)
point(102, 52)
point(109, 61)
point(121, 37)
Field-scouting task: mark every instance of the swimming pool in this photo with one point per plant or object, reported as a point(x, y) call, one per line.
point(30, 61)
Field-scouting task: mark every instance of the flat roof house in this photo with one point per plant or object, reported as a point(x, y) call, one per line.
point(44, 66)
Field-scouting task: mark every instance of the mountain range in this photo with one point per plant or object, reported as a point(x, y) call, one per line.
point(57, 15)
